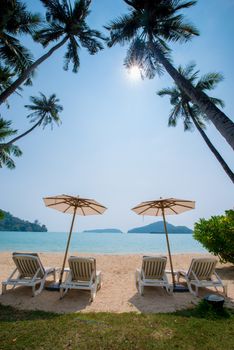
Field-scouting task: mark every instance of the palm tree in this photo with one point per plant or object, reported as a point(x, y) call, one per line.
point(16, 20)
point(148, 27)
point(191, 114)
point(44, 112)
point(68, 25)
point(7, 150)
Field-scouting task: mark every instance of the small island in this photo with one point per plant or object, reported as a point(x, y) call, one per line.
point(104, 230)
point(158, 227)
point(8, 222)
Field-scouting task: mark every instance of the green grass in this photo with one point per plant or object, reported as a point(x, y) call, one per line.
point(200, 328)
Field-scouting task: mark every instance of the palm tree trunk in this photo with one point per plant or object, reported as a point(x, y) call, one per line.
point(2, 145)
point(211, 146)
point(224, 125)
point(25, 75)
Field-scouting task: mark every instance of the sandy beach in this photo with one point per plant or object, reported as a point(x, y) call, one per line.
point(118, 293)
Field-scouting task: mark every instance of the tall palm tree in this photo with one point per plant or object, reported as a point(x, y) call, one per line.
point(68, 25)
point(44, 112)
point(16, 20)
point(7, 151)
point(148, 26)
point(191, 114)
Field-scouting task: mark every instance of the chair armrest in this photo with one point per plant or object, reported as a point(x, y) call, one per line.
point(181, 273)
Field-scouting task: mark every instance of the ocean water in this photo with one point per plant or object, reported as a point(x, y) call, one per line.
point(108, 243)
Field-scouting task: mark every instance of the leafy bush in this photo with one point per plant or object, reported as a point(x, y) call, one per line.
point(1, 215)
point(217, 235)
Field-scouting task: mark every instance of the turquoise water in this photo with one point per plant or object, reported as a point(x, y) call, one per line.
point(108, 243)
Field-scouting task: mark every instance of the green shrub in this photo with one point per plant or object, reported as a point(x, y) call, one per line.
point(1, 215)
point(217, 235)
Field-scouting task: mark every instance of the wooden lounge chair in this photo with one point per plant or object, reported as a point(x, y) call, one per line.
point(81, 274)
point(201, 273)
point(30, 272)
point(153, 274)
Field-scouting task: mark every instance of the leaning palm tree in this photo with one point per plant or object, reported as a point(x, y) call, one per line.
point(148, 27)
point(16, 20)
point(44, 112)
point(7, 151)
point(191, 114)
point(68, 25)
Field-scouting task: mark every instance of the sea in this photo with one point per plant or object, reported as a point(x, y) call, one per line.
point(104, 243)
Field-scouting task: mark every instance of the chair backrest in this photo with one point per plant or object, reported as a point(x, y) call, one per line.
point(153, 267)
point(203, 268)
point(28, 264)
point(82, 269)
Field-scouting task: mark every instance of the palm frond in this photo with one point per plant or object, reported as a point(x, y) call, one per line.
point(217, 101)
point(71, 55)
point(19, 20)
point(14, 54)
point(123, 29)
point(49, 33)
point(180, 5)
point(209, 81)
point(166, 91)
point(56, 11)
point(5, 129)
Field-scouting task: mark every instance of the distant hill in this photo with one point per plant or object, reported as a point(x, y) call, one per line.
point(104, 230)
point(11, 223)
point(158, 227)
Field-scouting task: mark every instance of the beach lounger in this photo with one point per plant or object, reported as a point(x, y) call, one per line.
point(153, 274)
point(29, 272)
point(81, 274)
point(201, 273)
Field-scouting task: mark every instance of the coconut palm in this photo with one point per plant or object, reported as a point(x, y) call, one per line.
point(148, 27)
point(68, 25)
point(16, 20)
point(44, 112)
point(7, 151)
point(191, 114)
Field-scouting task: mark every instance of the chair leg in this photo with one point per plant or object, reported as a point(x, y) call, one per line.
point(61, 291)
point(4, 288)
point(169, 289)
point(141, 288)
point(137, 279)
point(225, 290)
point(93, 293)
point(190, 288)
point(99, 281)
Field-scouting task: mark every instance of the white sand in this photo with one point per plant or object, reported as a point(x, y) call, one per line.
point(118, 293)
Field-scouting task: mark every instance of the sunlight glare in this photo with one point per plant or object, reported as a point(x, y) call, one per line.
point(135, 73)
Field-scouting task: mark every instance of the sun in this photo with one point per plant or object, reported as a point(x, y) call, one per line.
point(135, 73)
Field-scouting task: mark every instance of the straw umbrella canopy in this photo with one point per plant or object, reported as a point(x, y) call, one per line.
point(162, 207)
point(75, 206)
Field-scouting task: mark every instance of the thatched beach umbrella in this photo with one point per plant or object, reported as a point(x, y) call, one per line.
point(162, 207)
point(76, 206)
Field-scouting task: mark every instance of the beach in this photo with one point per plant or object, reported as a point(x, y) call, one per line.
point(118, 293)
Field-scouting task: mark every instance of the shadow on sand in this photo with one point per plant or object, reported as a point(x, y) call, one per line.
point(21, 298)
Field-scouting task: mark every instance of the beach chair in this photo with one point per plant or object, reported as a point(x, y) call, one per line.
point(152, 274)
point(29, 272)
point(201, 273)
point(81, 274)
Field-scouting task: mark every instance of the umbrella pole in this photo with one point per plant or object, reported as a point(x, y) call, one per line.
point(168, 247)
point(68, 243)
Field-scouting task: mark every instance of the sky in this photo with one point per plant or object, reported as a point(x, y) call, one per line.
point(114, 144)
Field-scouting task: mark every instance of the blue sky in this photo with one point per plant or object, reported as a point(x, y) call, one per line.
point(114, 144)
